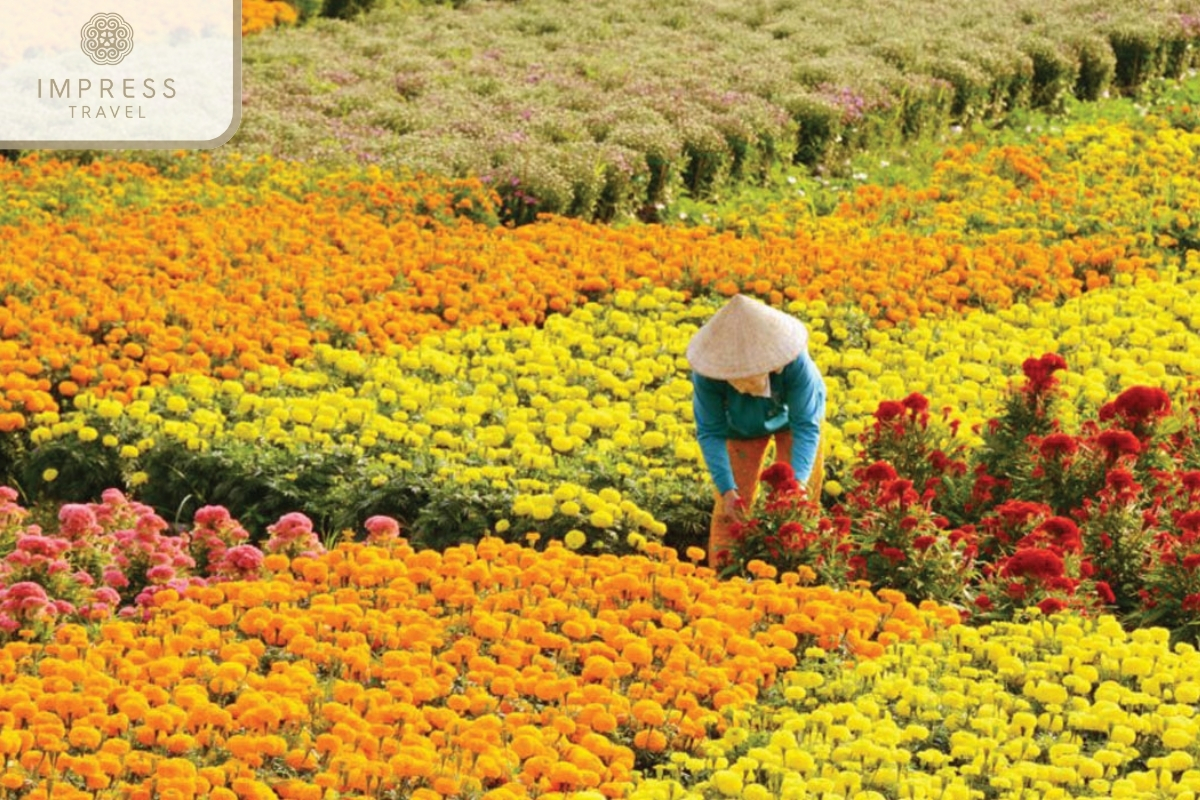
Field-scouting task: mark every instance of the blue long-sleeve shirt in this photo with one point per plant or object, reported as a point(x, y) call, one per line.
point(797, 401)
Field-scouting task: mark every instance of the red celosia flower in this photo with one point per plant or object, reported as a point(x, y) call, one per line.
point(889, 410)
point(1192, 602)
point(879, 472)
point(916, 403)
point(1105, 592)
point(1063, 583)
point(1121, 481)
point(1063, 533)
point(1191, 562)
point(1033, 563)
point(899, 490)
point(923, 543)
point(1058, 445)
point(1117, 443)
point(983, 602)
point(1051, 605)
point(1016, 513)
point(1138, 405)
point(777, 474)
point(1189, 522)
point(1040, 372)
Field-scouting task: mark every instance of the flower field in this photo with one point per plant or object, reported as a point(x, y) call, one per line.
point(323, 481)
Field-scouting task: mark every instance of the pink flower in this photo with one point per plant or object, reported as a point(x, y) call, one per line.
point(211, 515)
point(242, 560)
point(107, 596)
point(160, 574)
point(290, 525)
point(42, 545)
point(293, 534)
point(381, 528)
point(115, 578)
point(77, 521)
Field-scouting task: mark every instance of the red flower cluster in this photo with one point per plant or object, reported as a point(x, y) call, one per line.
point(1137, 408)
point(1042, 565)
point(1040, 372)
point(1116, 443)
point(1058, 446)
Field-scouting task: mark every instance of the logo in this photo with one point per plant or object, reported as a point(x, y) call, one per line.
point(106, 38)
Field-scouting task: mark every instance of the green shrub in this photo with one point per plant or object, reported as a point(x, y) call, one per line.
point(1138, 54)
point(1055, 73)
point(1097, 66)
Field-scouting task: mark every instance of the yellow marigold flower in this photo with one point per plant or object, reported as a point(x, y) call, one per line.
point(727, 782)
point(601, 519)
point(575, 539)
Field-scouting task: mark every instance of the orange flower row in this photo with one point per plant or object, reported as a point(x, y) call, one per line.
point(140, 276)
point(490, 669)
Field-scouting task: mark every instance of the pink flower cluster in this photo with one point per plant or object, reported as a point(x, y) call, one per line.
point(294, 537)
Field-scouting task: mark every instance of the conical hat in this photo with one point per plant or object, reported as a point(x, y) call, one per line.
point(745, 338)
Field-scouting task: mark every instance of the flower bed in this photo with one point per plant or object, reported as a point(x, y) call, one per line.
point(133, 259)
point(373, 668)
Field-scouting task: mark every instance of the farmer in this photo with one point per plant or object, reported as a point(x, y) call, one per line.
point(753, 380)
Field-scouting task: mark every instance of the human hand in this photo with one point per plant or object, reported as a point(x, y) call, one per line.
point(732, 508)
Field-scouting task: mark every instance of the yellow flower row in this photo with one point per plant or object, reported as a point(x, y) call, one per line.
point(606, 389)
point(1053, 708)
point(488, 670)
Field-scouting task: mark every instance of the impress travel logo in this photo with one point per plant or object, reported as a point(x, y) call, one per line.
point(138, 74)
point(106, 39)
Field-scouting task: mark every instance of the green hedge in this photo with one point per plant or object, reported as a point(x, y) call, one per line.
point(612, 110)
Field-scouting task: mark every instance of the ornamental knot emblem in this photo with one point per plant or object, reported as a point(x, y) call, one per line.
point(106, 38)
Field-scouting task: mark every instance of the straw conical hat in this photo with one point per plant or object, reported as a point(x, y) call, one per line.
point(745, 338)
